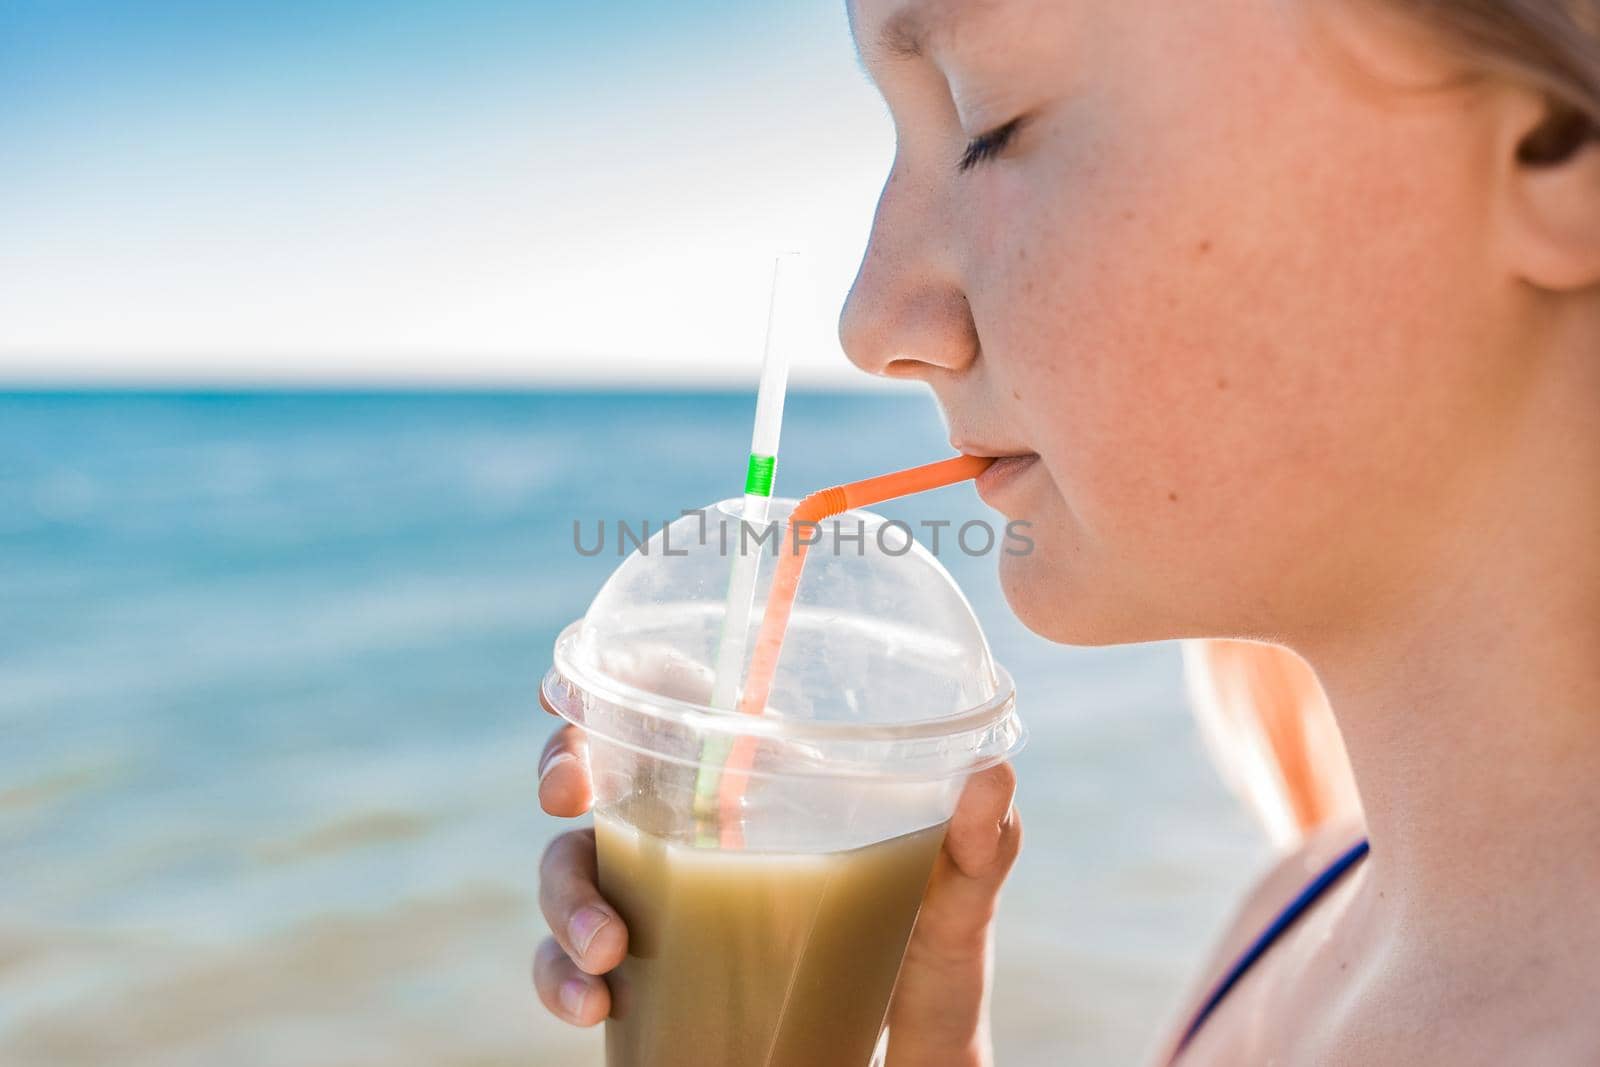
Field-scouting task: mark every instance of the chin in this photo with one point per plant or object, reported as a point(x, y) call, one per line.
point(1056, 595)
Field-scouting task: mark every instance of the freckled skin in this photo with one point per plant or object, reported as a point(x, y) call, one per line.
point(1174, 287)
point(1276, 265)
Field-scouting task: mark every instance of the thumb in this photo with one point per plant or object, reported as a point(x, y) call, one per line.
point(940, 1009)
point(984, 833)
point(980, 847)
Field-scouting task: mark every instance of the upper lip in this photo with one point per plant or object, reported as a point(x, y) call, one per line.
point(976, 448)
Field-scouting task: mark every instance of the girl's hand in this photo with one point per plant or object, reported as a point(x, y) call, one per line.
point(589, 937)
point(939, 1016)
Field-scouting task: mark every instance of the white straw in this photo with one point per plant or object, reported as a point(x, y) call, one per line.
point(759, 478)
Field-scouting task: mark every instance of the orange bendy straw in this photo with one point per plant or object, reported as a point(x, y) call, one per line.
point(823, 504)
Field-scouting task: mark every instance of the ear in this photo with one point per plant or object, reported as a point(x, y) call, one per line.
point(1552, 161)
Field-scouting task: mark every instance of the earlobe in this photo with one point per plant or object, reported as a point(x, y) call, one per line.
point(1554, 200)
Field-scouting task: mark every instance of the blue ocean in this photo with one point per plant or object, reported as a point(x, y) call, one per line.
point(268, 727)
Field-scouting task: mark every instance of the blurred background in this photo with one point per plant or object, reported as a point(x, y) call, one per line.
point(320, 324)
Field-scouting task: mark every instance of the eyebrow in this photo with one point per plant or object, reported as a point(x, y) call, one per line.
point(906, 33)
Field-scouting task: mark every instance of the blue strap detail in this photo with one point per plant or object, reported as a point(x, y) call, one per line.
point(1297, 907)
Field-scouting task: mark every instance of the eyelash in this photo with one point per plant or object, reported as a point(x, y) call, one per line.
point(987, 145)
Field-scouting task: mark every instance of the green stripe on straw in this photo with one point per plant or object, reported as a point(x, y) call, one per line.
point(783, 317)
point(758, 477)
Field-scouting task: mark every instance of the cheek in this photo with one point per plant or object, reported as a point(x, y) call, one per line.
point(1121, 332)
point(1223, 339)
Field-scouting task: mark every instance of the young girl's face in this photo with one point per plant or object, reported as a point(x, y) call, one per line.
point(1231, 292)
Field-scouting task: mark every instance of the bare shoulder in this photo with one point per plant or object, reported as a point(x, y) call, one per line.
point(1271, 894)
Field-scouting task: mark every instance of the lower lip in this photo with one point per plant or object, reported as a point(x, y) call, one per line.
point(1001, 474)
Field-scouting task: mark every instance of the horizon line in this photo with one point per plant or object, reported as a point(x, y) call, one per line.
point(173, 386)
point(38, 373)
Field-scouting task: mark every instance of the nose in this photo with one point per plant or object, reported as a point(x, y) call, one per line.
point(907, 315)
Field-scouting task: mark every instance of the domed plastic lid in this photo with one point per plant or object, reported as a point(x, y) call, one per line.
point(883, 657)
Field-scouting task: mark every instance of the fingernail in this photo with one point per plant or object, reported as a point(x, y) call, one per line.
point(556, 759)
point(574, 992)
point(583, 926)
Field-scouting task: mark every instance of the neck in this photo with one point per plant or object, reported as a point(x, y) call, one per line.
point(1473, 722)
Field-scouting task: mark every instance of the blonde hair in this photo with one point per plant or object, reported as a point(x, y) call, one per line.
point(1271, 734)
point(1552, 46)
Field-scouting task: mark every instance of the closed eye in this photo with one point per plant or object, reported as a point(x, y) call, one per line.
point(987, 145)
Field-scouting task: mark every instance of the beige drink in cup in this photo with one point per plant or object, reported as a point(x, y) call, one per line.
point(801, 950)
point(775, 945)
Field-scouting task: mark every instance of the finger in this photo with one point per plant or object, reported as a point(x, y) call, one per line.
point(590, 931)
point(984, 833)
point(981, 846)
point(567, 992)
point(564, 787)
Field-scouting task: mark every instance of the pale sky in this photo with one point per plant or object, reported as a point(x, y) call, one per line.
point(468, 192)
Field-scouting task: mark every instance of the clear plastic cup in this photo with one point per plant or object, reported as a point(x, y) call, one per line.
point(781, 949)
